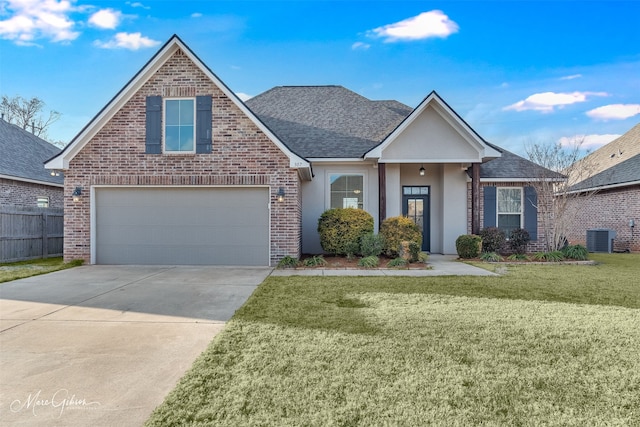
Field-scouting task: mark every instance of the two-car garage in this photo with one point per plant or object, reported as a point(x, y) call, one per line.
point(181, 225)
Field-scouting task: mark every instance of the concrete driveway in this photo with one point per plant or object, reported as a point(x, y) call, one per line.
point(103, 345)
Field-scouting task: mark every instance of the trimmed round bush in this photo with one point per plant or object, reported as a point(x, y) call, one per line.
point(493, 239)
point(396, 230)
point(341, 230)
point(468, 246)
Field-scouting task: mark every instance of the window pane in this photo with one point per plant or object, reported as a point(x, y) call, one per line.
point(346, 191)
point(186, 112)
point(509, 200)
point(186, 138)
point(172, 113)
point(507, 223)
point(172, 138)
point(424, 190)
point(406, 191)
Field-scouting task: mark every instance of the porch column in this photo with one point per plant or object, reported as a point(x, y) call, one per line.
point(475, 198)
point(382, 193)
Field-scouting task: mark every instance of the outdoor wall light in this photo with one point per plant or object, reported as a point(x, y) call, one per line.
point(422, 170)
point(55, 172)
point(280, 194)
point(76, 194)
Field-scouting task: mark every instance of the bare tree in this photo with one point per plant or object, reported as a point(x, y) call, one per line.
point(28, 114)
point(563, 167)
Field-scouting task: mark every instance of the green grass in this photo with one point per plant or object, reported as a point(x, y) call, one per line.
point(22, 269)
point(540, 345)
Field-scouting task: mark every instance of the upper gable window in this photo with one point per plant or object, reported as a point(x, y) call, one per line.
point(179, 125)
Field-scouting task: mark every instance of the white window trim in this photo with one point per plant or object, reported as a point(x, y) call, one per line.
point(164, 127)
point(328, 187)
point(43, 197)
point(509, 213)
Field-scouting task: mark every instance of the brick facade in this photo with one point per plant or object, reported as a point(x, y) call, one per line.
point(534, 245)
point(610, 209)
point(20, 193)
point(242, 155)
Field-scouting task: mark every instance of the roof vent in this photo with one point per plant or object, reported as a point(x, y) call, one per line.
point(600, 240)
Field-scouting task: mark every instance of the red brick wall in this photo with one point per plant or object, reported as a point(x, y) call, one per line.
point(242, 155)
point(610, 209)
point(20, 193)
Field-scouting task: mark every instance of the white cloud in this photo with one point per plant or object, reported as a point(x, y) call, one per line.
point(132, 41)
point(106, 19)
point(196, 15)
point(137, 4)
point(426, 25)
point(243, 96)
point(32, 20)
point(360, 46)
point(614, 112)
point(546, 102)
point(589, 142)
point(571, 77)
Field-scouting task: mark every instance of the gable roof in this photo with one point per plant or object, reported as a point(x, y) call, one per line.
point(327, 121)
point(610, 164)
point(451, 116)
point(624, 173)
point(61, 161)
point(24, 154)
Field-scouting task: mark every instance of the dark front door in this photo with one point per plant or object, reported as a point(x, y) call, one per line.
point(415, 206)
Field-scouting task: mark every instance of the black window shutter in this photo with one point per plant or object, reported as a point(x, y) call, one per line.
point(203, 124)
point(153, 138)
point(531, 212)
point(490, 206)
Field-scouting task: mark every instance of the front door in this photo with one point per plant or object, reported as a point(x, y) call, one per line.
point(415, 205)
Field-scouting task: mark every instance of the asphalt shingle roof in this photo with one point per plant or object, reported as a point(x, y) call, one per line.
point(510, 165)
point(625, 172)
point(23, 154)
point(327, 121)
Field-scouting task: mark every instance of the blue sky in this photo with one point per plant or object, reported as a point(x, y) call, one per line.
point(519, 72)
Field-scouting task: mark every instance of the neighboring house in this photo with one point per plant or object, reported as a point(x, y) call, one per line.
point(176, 169)
point(610, 197)
point(24, 181)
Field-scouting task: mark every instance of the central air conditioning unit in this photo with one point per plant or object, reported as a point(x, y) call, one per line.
point(600, 240)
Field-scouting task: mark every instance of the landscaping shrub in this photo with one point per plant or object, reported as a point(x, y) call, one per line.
point(315, 261)
point(288, 262)
point(518, 239)
point(468, 245)
point(397, 262)
point(576, 252)
point(490, 257)
point(555, 256)
point(493, 239)
point(369, 262)
point(396, 230)
point(371, 244)
point(518, 257)
point(341, 230)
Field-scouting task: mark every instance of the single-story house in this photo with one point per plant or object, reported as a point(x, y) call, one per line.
point(24, 181)
point(609, 197)
point(176, 169)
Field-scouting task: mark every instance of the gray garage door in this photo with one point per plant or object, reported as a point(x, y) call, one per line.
point(182, 226)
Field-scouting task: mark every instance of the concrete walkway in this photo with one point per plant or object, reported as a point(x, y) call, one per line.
point(441, 265)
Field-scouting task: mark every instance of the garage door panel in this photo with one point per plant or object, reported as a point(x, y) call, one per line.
point(166, 226)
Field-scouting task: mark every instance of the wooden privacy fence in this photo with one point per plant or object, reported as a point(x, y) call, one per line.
point(29, 233)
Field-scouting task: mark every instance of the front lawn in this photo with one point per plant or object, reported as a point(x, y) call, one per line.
point(22, 269)
point(540, 345)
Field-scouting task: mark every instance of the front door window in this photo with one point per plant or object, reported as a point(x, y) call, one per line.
point(416, 208)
